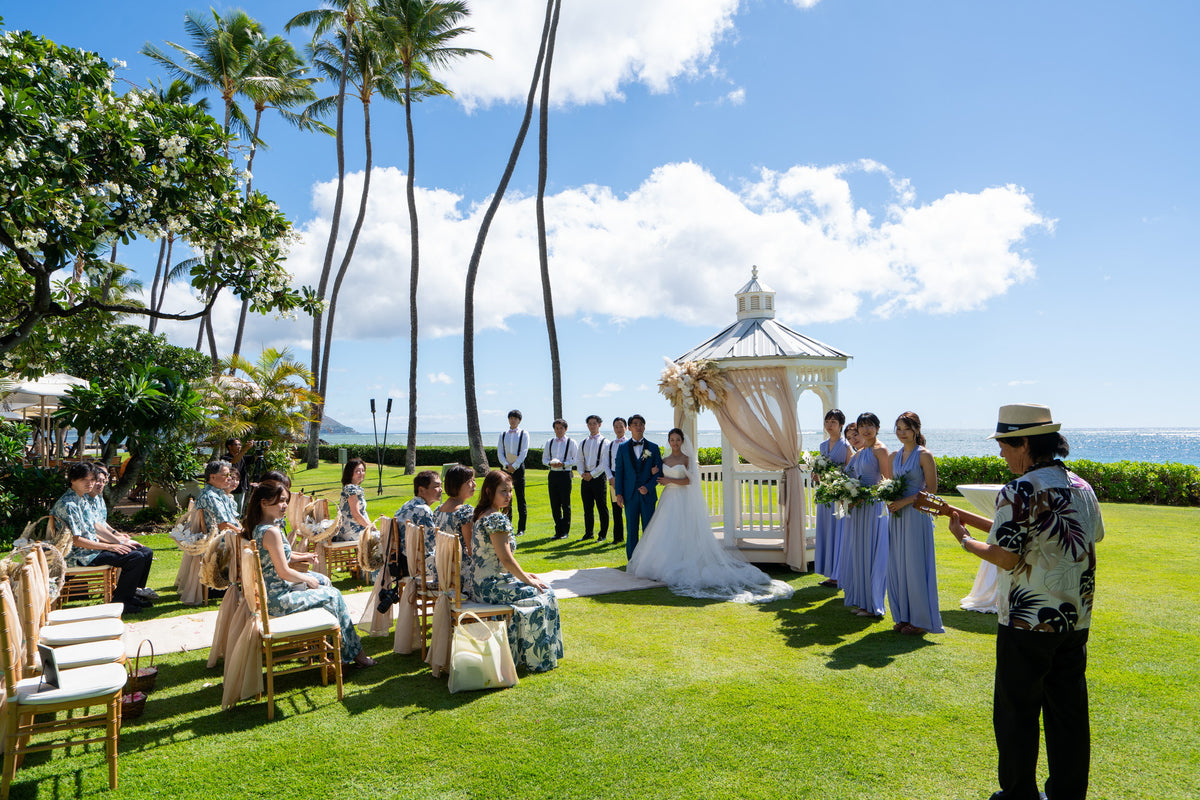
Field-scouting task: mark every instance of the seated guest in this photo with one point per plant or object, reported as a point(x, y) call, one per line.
point(427, 485)
point(457, 516)
point(352, 507)
point(534, 633)
point(288, 589)
point(76, 511)
point(235, 455)
point(106, 531)
point(216, 501)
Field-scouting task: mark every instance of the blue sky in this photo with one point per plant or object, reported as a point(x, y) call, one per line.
point(983, 202)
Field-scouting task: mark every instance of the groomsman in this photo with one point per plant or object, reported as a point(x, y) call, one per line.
point(593, 471)
point(512, 449)
point(561, 455)
point(610, 462)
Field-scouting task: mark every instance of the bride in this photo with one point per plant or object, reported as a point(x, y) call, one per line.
point(679, 549)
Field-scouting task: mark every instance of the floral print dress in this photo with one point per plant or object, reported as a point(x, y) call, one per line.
point(283, 599)
point(454, 522)
point(534, 633)
point(348, 529)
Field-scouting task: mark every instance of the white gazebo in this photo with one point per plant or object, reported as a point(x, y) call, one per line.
point(761, 508)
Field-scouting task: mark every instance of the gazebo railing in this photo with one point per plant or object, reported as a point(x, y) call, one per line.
point(758, 515)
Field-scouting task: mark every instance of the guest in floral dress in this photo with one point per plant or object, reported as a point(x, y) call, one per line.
point(74, 510)
point(912, 591)
point(352, 507)
point(427, 486)
point(289, 590)
point(534, 633)
point(457, 516)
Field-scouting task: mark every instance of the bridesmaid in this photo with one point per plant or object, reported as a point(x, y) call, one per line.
point(852, 438)
point(457, 516)
point(865, 540)
point(911, 575)
point(829, 528)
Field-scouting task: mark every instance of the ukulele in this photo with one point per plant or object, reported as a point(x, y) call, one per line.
point(932, 504)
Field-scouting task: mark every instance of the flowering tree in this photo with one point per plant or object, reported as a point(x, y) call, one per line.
point(82, 166)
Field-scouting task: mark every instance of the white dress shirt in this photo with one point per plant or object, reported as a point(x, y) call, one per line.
point(565, 450)
point(611, 454)
point(594, 456)
point(513, 442)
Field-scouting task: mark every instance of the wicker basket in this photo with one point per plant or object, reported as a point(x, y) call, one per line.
point(142, 679)
point(214, 564)
point(133, 705)
point(370, 551)
point(59, 536)
point(189, 534)
point(56, 565)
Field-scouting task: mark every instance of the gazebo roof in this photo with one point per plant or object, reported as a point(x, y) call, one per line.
point(761, 338)
point(756, 334)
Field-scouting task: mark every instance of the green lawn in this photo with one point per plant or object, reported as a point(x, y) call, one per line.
point(661, 696)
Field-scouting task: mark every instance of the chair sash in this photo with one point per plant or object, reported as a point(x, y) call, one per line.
point(372, 622)
point(447, 550)
point(244, 660)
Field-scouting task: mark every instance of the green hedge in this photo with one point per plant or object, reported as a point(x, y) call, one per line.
point(393, 455)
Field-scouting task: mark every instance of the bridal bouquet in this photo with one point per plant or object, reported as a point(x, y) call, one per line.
point(840, 490)
point(818, 464)
point(888, 490)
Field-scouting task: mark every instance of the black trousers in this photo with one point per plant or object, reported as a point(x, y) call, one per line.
point(1041, 674)
point(135, 569)
point(559, 484)
point(595, 498)
point(518, 482)
point(618, 522)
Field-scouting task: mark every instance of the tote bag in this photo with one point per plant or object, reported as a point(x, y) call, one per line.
point(479, 656)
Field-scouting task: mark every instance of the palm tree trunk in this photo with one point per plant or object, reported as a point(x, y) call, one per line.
point(474, 436)
point(323, 382)
point(151, 321)
point(317, 409)
point(162, 295)
point(543, 255)
point(410, 457)
point(241, 328)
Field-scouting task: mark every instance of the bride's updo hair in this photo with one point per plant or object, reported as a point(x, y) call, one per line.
point(674, 431)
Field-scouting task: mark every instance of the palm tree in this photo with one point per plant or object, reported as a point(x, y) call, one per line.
point(372, 69)
point(345, 16)
point(269, 403)
point(422, 32)
point(543, 255)
point(288, 87)
point(474, 436)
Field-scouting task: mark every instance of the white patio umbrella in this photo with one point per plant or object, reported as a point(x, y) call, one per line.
point(39, 397)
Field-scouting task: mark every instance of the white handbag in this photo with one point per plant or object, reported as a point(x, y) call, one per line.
point(480, 657)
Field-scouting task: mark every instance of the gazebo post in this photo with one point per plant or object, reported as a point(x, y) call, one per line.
point(731, 496)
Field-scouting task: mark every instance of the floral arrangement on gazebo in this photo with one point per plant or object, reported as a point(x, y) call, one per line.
point(693, 385)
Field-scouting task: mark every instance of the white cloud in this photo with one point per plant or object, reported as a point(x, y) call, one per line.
point(682, 238)
point(736, 97)
point(599, 47)
point(805, 3)
point(440, 377)
point(607, 390)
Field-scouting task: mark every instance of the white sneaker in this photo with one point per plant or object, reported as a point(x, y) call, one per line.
point(146, 593)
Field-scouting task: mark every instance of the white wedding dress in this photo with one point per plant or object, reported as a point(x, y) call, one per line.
point(679, 549)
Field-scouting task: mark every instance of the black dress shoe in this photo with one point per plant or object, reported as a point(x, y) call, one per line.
point(558, 536)
point(132, 609)
point(588, 536)
point(618, 540)
point(602, 537)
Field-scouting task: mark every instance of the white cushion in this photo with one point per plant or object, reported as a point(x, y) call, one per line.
point(79, 632)
point(74, 684)
point(485, 608)
point(311, 621)
point(88, 654)
point(82, 613)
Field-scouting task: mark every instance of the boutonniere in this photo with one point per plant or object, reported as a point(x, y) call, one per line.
point(646, 453)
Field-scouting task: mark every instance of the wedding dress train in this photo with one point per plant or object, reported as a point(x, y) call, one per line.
point(679, 549)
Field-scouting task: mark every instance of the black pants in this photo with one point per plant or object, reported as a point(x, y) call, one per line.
point(559, 484)
point(135, 569)
point(595, 498)
point(1042, 674)
point(518, 482)
point(618, 522)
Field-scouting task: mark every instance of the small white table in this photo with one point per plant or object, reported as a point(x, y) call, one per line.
point(985, 593)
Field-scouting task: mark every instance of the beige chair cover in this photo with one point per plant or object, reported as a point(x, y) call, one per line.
point(187, 580)
point(759, 417)
point(295, 514)
point(233, 612)
point(31, 611)
point(408, 633)
point(244, 660)
point(372, 622)
point(438, 657)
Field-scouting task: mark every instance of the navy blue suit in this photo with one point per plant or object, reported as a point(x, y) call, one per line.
point(632, 474)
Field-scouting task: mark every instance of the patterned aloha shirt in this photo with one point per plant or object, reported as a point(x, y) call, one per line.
point(1050, 518)
point(418, 512)
point(78, 514)
point(218, 506)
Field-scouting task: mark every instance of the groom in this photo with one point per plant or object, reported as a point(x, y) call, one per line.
point(639, 463)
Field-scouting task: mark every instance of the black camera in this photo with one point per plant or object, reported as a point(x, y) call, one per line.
point(387, 598)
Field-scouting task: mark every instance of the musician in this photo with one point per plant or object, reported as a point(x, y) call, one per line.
point(1044, 535)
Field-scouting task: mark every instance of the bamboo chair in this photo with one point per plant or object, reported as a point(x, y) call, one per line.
point(80, 688)
point(451, 606)
point(81, 582)
point(340, 557)
point(312, 637)
point(426, 592)
point(98, 641)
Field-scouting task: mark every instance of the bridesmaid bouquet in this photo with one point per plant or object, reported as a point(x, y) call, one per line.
point(840, 490)
point(818, 464)
point(888, 490)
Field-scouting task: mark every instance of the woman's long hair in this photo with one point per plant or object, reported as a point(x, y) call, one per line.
point(495, 478)
point(348, 470)
point(911, 419)
point(265, 492)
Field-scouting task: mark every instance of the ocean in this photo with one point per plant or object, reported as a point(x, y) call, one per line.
point(1154, 445)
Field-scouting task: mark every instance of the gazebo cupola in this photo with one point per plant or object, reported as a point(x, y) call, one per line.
point(755, 300)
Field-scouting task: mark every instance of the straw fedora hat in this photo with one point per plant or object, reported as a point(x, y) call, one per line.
point(1024, 419)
